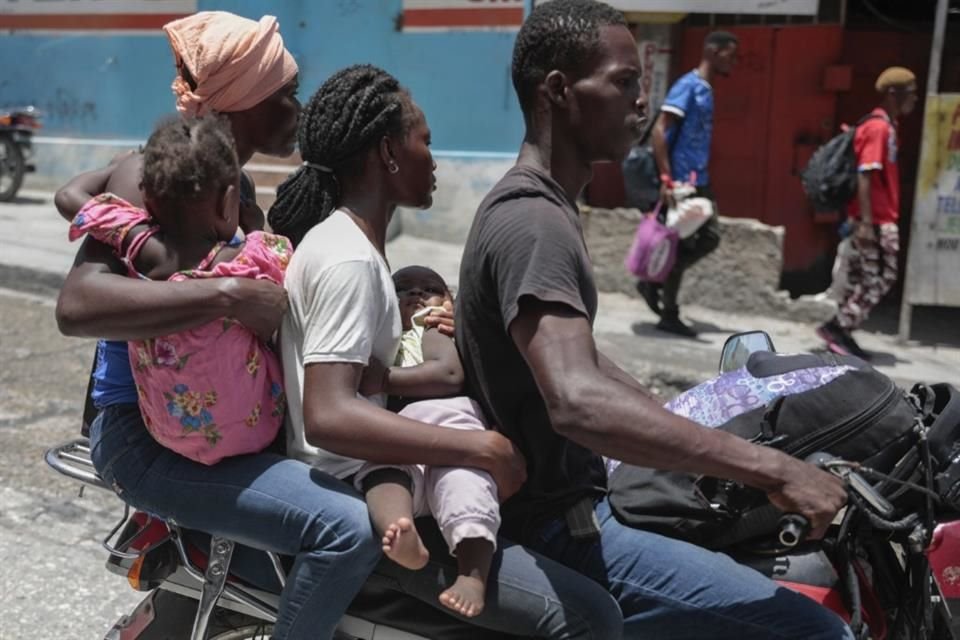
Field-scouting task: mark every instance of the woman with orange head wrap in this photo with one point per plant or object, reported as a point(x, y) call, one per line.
point(238, 68)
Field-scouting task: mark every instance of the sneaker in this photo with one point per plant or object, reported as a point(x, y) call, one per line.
point(673, 324)
point(838, 340)
point(651, 295)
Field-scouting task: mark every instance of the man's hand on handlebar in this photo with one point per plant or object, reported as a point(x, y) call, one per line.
point(807, 490)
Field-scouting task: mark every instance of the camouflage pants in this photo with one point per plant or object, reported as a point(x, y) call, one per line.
point(871, 272)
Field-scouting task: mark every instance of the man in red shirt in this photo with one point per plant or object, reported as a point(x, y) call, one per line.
point(874, 212)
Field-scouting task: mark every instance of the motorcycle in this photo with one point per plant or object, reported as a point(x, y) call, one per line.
point(889, 565)
point(17, 127)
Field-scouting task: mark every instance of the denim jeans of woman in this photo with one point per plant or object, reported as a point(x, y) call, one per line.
point(266, 501)
point(263, 501)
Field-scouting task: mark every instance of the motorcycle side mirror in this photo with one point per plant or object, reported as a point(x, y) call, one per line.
point(739, 346)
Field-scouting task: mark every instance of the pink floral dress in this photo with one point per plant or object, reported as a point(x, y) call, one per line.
point(213, 391)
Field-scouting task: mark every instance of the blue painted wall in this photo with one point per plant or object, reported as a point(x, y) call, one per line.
point(117, 86)
point(88, 85)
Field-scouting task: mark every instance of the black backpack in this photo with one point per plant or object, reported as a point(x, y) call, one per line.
point(641, 176)
point(830, 178)
point(846, 408)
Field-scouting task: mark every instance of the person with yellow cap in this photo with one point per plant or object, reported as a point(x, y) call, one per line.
point(871, 266)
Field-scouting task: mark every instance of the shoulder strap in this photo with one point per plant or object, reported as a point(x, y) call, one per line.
point(653, 122)
point(133, 249)
point(206, 262)
point(869, 116)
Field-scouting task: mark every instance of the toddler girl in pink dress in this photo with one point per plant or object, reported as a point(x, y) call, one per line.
point(217, 390)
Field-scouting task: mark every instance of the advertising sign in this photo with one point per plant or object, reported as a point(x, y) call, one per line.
point(935, 242)
point(91, 15)
point(766, 7)
point(446, 15)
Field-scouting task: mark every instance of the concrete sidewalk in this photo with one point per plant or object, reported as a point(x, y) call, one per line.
point(35, 255)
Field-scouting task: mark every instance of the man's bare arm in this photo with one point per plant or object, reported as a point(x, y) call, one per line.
point(612, 370)
point(614, 419)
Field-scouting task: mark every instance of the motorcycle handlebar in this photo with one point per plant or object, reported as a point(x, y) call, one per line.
point(793, 527)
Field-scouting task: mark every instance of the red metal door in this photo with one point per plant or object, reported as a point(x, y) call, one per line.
point(738, 157)
point(802, 115)
point(769, 116)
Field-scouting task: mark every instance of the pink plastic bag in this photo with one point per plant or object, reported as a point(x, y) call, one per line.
point(654, 249)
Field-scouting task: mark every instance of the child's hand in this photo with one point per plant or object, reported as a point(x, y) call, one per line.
point(442, 321)
point(373, 380)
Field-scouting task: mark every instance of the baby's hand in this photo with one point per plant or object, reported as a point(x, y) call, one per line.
point(373, 379)
point(442, 321)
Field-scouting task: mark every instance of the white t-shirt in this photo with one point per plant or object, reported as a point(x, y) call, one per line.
point(343, 308)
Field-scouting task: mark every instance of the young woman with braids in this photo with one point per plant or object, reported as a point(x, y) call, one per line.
point(365, 145)
point(239, 68)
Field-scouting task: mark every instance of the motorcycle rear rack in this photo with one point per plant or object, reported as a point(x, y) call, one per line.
point(72, 459)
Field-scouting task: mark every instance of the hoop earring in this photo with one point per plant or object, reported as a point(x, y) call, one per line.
point(393, 168)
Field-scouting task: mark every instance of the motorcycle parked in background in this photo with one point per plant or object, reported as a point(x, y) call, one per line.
point(17, 126)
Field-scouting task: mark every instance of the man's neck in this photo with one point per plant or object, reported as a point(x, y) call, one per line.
point(558, 157)
point(705, 71)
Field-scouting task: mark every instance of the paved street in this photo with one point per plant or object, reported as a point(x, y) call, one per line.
point(53, 584)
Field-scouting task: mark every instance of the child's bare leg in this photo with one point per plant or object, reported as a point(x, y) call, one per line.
point(467, 596)
point(390, 503)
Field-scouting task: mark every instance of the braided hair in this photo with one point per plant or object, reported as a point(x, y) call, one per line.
point(187, 159)
point(349, 114)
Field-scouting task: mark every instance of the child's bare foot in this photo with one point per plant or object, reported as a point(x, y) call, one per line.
point(402, 544)
point(466, 596)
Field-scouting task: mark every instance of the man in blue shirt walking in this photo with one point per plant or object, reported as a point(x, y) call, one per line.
point(681, 146)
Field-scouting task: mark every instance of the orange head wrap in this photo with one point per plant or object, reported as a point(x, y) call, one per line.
point(236, 62)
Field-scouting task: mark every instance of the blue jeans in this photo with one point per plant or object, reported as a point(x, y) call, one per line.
point(266, 501)
point(263, 501)
point(528, 595)
point(669, 589)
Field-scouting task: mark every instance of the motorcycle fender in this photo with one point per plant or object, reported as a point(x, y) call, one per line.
point(944, 557)
point(132, 625)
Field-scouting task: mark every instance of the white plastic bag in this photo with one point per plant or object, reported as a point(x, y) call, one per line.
point(689, 215)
